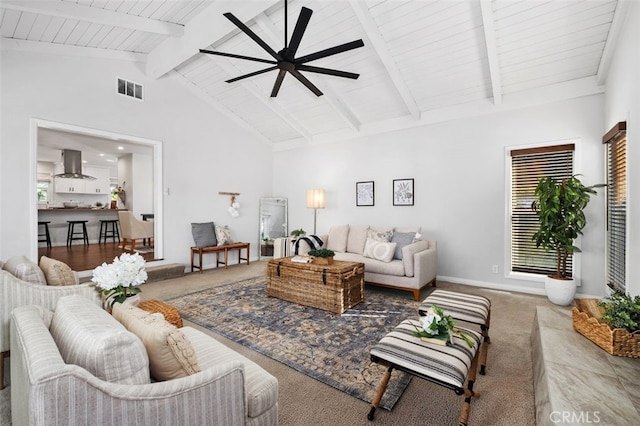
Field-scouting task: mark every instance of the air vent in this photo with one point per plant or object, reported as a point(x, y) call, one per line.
point(130, 88)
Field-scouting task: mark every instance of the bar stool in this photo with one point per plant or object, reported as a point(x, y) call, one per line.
point(46, 237)
point(72, 234)
point(109, 229)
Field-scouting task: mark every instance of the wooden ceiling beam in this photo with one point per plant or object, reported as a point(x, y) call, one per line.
point(68, 10)
point(361, 11)
point(488, 25)
point(209, 27)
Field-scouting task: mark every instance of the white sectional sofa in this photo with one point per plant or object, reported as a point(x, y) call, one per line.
point(392, 257)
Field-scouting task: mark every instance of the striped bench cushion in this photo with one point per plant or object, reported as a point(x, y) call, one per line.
point(461, 306)
point(444, 364)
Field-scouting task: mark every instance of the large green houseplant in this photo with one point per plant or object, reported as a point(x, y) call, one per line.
point(560, 208)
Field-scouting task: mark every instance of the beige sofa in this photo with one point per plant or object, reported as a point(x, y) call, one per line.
point(106, 376)
point(412, 265)
point(23, 282)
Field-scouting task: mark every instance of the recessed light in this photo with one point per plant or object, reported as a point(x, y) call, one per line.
point(101, 155)
point(121, 148)
point(84, 161)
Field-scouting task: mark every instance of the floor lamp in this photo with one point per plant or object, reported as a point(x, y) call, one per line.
point(315, 201)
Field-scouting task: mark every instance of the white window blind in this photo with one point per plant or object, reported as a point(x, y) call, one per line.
point(616, 142)
point(527, 167)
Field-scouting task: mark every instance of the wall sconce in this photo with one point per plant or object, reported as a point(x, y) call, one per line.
point(315, 201)
point(234, 205)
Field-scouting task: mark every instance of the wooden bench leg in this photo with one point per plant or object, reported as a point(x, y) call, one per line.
point(381, 388)
point(469, 393)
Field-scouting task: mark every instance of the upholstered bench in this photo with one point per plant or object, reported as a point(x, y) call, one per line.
point(449, 366)
point(464, 307)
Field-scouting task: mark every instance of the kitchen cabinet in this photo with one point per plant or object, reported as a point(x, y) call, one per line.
point(101, 184)
point(85, 186)
point(69, 185)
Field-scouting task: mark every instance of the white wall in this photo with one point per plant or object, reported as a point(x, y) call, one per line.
point(204, 152)
point(459, 172)
point(623, 104)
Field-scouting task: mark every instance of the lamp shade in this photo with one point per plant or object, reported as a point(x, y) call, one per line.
point(315, 198)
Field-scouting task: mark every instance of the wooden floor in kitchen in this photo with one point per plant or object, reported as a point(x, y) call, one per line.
point(82, 257)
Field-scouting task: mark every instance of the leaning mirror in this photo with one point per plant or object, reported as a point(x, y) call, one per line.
point(273, 223)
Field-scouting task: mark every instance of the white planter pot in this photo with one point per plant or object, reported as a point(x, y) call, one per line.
point(560, 292)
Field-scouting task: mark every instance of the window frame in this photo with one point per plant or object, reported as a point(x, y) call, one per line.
point(616, 134)
point(577, 169)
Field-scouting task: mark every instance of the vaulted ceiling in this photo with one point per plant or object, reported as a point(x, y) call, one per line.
point(423, 61)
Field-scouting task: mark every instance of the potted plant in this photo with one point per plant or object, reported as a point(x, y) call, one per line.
point(297, 233)
point(560, 208)
point(322, 256)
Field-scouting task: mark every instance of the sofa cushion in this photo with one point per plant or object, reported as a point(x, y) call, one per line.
point(414, 229)
point(57, 273)
point(383, 235)
point(204, 234)
point(24, 269)
point(89, 337)
point(337, 239)
point(379, 250)
point(170, 352)
point(223, 235)
point(401, 239)
point(261, 388)
point(394, 268)
point(356, 239)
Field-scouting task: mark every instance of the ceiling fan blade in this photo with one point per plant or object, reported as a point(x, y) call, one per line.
point(278, 83)
point(231, 55)
point(302, 79)
point(298, 31)
point(327, 71)
point(253, 35)
point(252, 74)
point(331, 51)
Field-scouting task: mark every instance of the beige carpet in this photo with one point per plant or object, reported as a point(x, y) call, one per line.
point(506, 392)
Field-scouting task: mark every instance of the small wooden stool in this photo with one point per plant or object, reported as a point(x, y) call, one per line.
point(468, 308)
point(449, 366)
point(171, 314)
point(72, 234)
point(108, 229)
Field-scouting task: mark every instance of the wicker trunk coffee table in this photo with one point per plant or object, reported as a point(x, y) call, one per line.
point(336, 287)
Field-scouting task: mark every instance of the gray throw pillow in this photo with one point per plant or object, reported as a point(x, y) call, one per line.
point(401, 239)
point(204, 234)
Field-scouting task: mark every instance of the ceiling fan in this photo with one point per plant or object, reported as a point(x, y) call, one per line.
point(285, 60)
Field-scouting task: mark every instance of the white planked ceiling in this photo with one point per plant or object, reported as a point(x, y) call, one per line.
point(423, 61)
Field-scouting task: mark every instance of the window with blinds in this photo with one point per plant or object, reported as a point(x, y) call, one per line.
point(527, 166)
point(616, 143)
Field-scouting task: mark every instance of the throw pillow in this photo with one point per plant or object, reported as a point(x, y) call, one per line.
point(378, 250)
point(170, 352)
point(57, 273)
point(380, 235)
point(223, 235)
point(357, 238)
point(337, 238)
point(204, 234)
point(24, 269)
point(402, 239)
point(88, 336)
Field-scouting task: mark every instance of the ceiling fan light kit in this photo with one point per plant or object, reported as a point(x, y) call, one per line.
point(285, 61)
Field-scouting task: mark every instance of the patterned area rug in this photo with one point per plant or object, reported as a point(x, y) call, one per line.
point(331, 348)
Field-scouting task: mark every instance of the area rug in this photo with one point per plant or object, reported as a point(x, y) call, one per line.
point(331, 348)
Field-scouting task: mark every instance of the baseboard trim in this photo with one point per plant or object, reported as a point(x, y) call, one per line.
point(493, 286)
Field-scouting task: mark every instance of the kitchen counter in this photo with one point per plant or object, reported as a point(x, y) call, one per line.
point(58, 218)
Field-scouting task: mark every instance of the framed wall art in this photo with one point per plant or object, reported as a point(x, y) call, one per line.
point(365, 193)
point(403, 192)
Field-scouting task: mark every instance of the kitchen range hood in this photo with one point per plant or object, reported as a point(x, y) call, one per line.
point(72, 163)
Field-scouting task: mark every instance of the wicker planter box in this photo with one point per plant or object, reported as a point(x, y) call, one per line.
point(336, 287)
point(616, 341)
point(323, 260)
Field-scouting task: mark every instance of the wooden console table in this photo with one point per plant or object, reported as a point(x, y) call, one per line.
point(218, 250)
